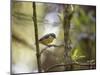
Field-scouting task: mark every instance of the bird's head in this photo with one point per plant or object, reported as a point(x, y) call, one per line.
point(53, 35)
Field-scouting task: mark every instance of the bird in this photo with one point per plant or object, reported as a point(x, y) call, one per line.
point(47, 39)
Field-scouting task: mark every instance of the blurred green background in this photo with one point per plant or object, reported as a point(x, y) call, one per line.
point(82, 34)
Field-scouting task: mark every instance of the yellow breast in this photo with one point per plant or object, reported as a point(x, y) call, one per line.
point(47, 40)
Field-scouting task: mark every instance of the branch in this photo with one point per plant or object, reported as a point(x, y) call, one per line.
point(36, 37)
point(48, 46)
point(68, 12)
point(68, 65)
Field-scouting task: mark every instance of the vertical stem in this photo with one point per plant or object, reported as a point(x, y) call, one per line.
point(66, 25)
point(36, 37)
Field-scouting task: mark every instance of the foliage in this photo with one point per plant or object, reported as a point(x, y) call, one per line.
point(83, 33)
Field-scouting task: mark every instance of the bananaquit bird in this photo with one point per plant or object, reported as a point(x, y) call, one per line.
point(47, 39)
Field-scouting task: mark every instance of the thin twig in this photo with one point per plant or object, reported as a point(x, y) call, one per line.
point(48, 46)
point(36, 37)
